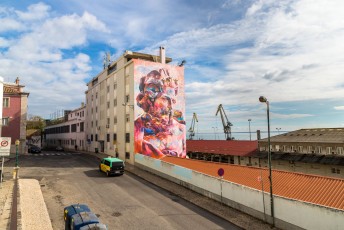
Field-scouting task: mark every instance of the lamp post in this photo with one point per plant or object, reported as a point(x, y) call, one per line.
point(278, 129)
point(16, 168)
point(249, 127)
point(264, 100)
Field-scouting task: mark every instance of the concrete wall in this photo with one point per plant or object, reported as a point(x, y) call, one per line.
point(289, 214)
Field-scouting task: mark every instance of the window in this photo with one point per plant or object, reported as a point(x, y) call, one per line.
point(73, 128)
point(108, 121)
point(127, 137)
point(108, 137)
point(319, 149)
point(127, 117)
point(340, 150)
point(96, 137)
point(5, 121)
point(127, 99)
point(300, 149)
point(115, 136)
point(108, 104)
point(108, 88)
point(81, 126)
point(115, 102)
point(91, 137)
point(328, 150)
point(6, 102)
point(115, 120)
point(127, 155)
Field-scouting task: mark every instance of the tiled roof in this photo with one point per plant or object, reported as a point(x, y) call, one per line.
point(233, 147)
point(324, 191)
point(319, 135)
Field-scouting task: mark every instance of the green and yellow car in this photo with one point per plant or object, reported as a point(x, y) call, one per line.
point(111, 166)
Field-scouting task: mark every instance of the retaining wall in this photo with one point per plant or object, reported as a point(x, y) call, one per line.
point(289, 214)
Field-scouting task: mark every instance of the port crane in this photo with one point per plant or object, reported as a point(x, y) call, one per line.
point(192, 127)
point(226, 124)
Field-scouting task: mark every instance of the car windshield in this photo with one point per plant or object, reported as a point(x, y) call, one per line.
point(117, 163)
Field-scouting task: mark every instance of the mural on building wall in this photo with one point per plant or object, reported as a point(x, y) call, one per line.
point(159, 109)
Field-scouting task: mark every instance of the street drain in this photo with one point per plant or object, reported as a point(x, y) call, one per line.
point(116, 214)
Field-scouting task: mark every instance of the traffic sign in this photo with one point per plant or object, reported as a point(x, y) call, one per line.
point(220, 172)
point(5, 146)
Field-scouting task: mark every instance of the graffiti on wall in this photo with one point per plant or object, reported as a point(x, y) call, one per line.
point(159, 110)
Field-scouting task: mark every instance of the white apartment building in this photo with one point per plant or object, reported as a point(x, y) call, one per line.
point(112, 99)
point(69, 134)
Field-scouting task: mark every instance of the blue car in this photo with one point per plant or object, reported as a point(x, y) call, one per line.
point(34, 149)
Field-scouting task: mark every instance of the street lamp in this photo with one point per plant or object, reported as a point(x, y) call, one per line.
point(278, 129)
point(264, 100)
point(249, 127)
point(16, 168)
point(17, 145)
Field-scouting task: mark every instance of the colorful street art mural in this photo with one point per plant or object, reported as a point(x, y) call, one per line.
point(159, 110)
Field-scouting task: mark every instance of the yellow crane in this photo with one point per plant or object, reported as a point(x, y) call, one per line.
point(192, 127)
point(225, 123)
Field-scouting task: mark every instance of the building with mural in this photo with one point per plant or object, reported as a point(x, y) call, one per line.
point(136, 105)
point(14, 114)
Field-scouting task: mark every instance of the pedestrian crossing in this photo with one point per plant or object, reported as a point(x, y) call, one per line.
point(52, 154)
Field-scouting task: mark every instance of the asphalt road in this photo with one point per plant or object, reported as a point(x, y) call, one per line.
point(121, 202)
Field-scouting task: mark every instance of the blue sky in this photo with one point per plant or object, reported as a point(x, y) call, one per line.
point(288, 51)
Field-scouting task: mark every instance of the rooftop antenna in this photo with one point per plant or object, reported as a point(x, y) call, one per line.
point(107, 61)
point(182, 63)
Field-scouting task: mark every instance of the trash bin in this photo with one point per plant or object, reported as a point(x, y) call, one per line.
point(96, 150)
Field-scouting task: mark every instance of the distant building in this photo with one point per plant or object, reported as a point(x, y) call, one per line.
point(313, 151)
point(69, 132)
point(14, 114)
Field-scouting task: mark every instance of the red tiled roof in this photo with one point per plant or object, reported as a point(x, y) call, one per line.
point(319, 190)
point(233, 147)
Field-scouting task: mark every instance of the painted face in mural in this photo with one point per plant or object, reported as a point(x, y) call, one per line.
point(152, 90)
point(163, 132)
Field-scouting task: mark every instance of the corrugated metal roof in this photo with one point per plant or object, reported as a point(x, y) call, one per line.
point(232, 147)
point(324, 191)
point(319, 135)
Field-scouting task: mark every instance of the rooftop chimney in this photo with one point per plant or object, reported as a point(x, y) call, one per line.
point(17, 81)
point(162, 55)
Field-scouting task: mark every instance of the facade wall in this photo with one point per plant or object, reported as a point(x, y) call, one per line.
point(111, 102)
point(16, 113)
point(107, 111)
point(159, 127)
point(289, 214)
point(75, 138)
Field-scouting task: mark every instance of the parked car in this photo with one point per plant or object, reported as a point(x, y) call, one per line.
point(34, 149)
point(111, 166)
point(59, 148)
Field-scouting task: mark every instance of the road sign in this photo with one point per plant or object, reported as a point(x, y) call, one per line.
point(221, 172)
point(5, 146)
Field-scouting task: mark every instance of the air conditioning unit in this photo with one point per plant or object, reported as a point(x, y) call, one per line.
point(107, 126)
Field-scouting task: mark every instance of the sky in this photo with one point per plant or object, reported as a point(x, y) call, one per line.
point(289, 51)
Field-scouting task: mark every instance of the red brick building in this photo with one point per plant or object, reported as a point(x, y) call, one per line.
point(14, 114)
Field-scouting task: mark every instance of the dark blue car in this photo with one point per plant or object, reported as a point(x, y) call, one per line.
point(34, 149)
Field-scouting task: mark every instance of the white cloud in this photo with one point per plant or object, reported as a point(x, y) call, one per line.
point(35, 12)
point(339, 107)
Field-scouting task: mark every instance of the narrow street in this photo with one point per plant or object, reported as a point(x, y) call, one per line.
point(121, 202)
